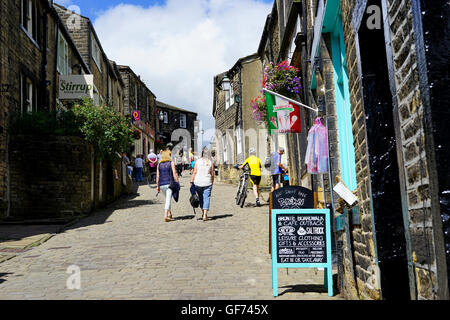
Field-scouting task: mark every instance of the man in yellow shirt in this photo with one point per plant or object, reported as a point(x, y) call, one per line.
point(255, 172)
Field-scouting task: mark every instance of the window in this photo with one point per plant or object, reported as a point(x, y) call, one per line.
point(96, 96)
point(148, 108)
point(231, 95)
point(182, 121)
point(227, 99)
point(28, 95)
point(238, 140)
point(224, 145)
point(294, 35)
point(63, 55)
point(30, 19)
point(166, 117)
point(135, 96)
point(96, 53)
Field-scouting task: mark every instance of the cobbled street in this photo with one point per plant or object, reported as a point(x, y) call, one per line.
point(128, 251)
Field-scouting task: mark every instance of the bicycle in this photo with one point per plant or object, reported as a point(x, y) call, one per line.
point(241, 193)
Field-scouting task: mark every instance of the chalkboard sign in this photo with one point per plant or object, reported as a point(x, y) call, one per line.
point(292, 197)
point(301, 238)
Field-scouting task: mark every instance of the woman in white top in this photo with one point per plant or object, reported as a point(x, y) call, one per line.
point(203, 179)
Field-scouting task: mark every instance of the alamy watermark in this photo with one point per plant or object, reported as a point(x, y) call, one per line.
point(74, 280)
point(374, 19)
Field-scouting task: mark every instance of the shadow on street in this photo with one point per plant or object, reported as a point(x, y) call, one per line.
point(302, 288)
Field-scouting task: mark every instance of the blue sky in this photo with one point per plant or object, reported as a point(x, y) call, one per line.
point(94, 8)
point(178, 46)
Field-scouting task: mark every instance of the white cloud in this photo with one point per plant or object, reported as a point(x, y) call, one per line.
point(179, 47)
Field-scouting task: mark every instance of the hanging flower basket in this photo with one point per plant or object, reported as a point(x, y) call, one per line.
point(282, 78)
point(259, 109)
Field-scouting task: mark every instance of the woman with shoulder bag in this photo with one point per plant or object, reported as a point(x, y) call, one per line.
point(165, 174)
point(203, 179)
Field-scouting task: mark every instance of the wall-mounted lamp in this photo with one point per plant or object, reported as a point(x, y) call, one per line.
point(161, 115)
point(225, 83)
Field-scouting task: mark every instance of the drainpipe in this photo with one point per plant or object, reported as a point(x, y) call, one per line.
point(55, 62)
point(44, 61)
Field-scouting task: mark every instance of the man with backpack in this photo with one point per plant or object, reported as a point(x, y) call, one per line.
point(276, 168)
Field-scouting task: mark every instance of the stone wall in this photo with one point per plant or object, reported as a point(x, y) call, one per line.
point(424, 223)
point(49, 177)
point(366, 273)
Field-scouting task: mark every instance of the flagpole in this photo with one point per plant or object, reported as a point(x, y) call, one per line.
point(290, 100)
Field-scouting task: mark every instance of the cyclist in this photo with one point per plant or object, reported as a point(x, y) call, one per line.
point(255, 172)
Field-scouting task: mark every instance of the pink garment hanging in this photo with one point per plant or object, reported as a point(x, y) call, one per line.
point(316, 158)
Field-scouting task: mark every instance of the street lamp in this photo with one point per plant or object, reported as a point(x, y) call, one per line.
point(161, 115)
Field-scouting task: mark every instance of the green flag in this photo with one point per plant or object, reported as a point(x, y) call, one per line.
point(282, 115)
point(272, 122)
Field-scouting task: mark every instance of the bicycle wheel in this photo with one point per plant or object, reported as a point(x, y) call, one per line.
point(243, 194)
point(238, 192)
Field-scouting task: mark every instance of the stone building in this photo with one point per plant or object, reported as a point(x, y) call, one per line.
point(236, 130)
point(139, 100)
point(85, 38)
point(29, 75)
point(376, 71)
point(175, 125)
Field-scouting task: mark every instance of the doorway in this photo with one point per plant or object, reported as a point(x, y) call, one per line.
point(384, 171)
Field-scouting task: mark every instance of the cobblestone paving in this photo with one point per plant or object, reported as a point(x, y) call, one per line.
point(127, 251)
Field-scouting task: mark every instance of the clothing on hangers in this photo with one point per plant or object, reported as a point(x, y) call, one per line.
point(316, 158)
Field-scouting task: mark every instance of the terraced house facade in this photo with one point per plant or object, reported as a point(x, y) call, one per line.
point(385, 134)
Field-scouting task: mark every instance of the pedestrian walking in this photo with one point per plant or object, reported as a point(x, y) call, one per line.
point(165, 174)
point(152, 163)
point(278, 168)
point(203, 179)
point(178, 158)
point(255, 172)
point(139, 165)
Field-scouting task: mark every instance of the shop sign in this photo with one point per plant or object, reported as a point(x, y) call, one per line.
point(301, 238)
point(283, 115)
point(136, 115)
point(76, 86)
point(345, 193)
